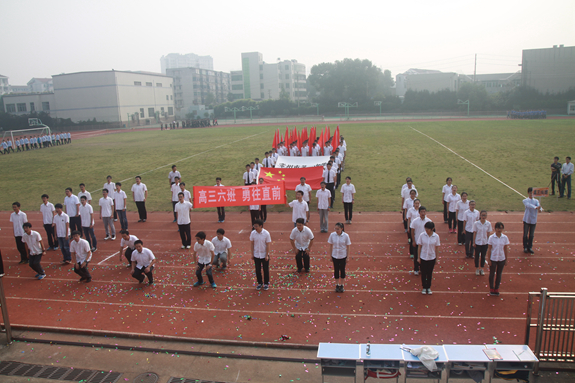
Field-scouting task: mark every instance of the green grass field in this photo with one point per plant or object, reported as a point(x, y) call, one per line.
point(380, 156)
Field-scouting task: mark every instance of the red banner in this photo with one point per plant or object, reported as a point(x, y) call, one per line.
point(264, 194)
point(291, 176)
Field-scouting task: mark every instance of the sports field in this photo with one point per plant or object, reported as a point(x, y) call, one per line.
point(380, 156)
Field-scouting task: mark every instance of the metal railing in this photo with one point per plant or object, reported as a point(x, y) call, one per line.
point(554, 325)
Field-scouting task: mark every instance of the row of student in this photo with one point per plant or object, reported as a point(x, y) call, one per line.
point(22, 144)
point(292, 149)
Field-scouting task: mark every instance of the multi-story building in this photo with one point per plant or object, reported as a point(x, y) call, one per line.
point(261, 81)
point(40, 85)
point(190, 60)
point(193, 87)
point(4, 85)
point(549, 70)
point(425, 79)
point(494, 82)
point(19, 89)
point(107, 96)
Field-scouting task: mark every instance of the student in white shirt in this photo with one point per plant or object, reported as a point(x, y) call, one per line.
point(72, 204)
point(120, 202)
point(417, 227)
point(481, 230)
point(62, 228)
point(267, 162)
point(87, 219)
point(497, 253)
point(306, 189)
point(48, 211)
point(106, 213)
point(408, 204)
point(249, 177)
point(452, 200)
point(566, 172)
point(460, 207)
point(260, 246)
point(183, 212)
point(412, 214)
point(329, 177)
point(222, 249)
point(175, 190)
point(299, 207)
point(127, 242)
point(263, 208)
point(111, 186)
point(81, 253)
point(405, 193)
point(19, 218)
point(257, 166)
point(33, 242)
point(140, 194)
point(173, 174)
point(83, 191)
point(203, 256)
point(301, 239)
point(427, 250)
point(469, 218)
point(323, 196)
point(187, 195)
point(348, 197)
point(221, 209)
point(446, 191)
point(143, 263)
point(339, 244)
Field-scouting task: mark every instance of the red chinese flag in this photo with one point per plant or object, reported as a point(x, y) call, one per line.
point(312, 134)
point(321, 144)
point(328, 133)
point(304, 134)
point(299, 141)
point(274, 143)
point(335, 142)
point(292, 176)
point(287, 137)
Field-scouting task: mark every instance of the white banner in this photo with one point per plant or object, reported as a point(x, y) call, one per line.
point(301, 162)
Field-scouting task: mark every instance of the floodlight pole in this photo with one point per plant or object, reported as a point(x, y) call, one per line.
point(250, 108)
point(346, 106)
point(226, 109)
point(317, 107)
point(376, 103)
point(459, 102)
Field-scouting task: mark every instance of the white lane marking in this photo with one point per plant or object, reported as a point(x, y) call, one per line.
point(104, 260)
point(465, 159)
point(241, 231)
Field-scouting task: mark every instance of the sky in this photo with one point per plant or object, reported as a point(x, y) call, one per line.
point(44, 38)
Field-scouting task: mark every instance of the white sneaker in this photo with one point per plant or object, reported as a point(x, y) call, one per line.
point(416, 273)
point(183, 247)
point(481, 272)
point(113, 238)
point(107, 237)
point(429, 292)
point(187, 247)
point(424, 291)
point(477, 272)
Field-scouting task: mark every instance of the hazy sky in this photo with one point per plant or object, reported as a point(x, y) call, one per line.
point(41, 38)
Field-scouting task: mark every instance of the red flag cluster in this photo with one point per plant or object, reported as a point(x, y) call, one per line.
point(299, 137)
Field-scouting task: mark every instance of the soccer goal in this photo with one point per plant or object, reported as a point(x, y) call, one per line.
point(37, 128)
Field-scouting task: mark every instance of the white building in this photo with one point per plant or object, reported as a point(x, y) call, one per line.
point(4, 85)
point(259, 80)
point(401, 79)
point(40, 85)
point(107, 96)
point(549, 70)
point(176, 60)
point(19, 89)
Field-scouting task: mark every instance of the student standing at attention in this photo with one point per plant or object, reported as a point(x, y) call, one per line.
point(175, 189)
point(120, 202)
point(532, 207)
point(72, 204)
point(481, 231)
point(260, 242)
point(470, 217)
point(62, 228)
point(19, 218)
point(323, 196)
point(497, 253)
point(348, 197)
point(299, 208)
point(460, 208)
point(173, 174)
point(106, 215)
point(446, 191)
point(87, 219)
point(221, 210)
point(306, 189)
point(428, 244)
point(48, 211)
point(339, 244)
point(417, 228)
point(140, 194)
point(452, 200)
point(183, 211)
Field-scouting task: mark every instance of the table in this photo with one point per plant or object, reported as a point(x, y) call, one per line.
point(339, 359)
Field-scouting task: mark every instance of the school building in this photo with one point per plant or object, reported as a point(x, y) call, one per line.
point(549, 70)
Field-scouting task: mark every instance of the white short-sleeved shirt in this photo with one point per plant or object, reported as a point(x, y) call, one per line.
point(408, 203)
point(221, 246)
point(32, 240)
point(340, 243)
point(87, 194)
point(187, 195)
point(175, 191)
point(461, 207)
point(323, 197)
point(111, 188)
point(260, 240)
point(332, 176)
point(497, 246)
point(306, 189)
point(249, 177)
point(299, 209)
point(18, 220)
point(418, 226)
point(412, 213)
point(428, 245)
point(172, 176)
point(119, 199)
point(70, 203)
point(47, 211)
point(446, 191)
point(82, 249)
point(406, 193)
point(348, 191)
point(183, 210)
point(61, 220)
point(470, 217)
point(85, 211)
point(452, 200)
point(144, 258)
point(139, 191)
point(203, 252)
point(129, 242)
point(301, 238)
point(482, 230)
point(106, 206)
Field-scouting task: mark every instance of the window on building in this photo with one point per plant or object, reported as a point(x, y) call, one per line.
point(261, 76)
point(149, 84)
point(238, 87)
point(159, 84)
point(10, 108)
point(167, 98)
point(287, 76)
point(21, 107)
point(141, 112)
point(170, 111)
point(151, 112)
point(171, 98)
point(32, 108)
point(162, 110)
point(261, 67)
point(237, 77)
point(137, 83)
point(262, 94)
point(287, 67)
point(45, 106)
point(261, 86)
point(287, 85)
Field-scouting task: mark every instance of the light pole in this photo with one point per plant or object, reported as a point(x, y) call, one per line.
point(459, 102)
point(226, 109)
point(316, 105)
point(378, 103)
point(346, 106)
